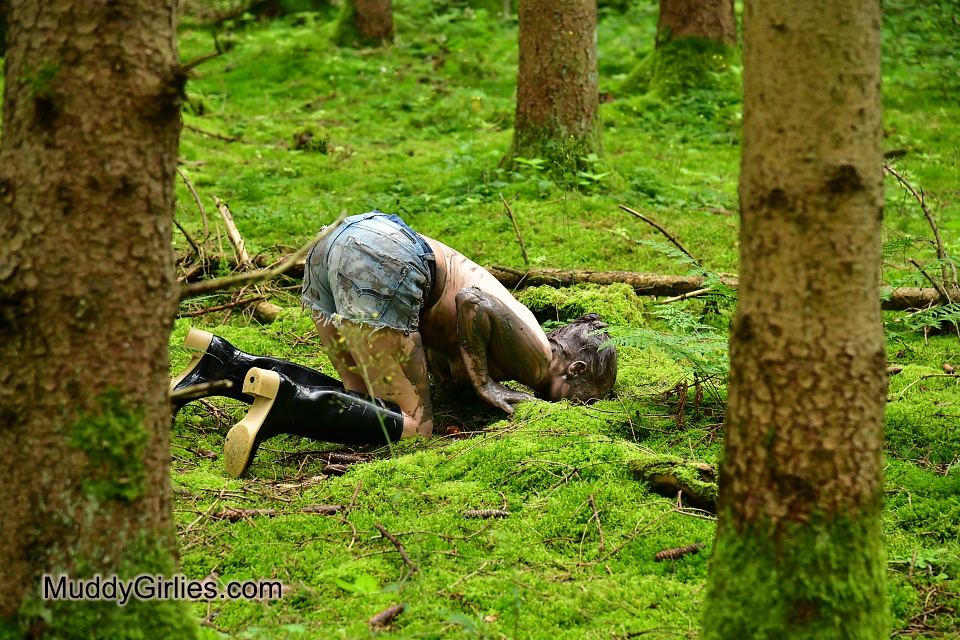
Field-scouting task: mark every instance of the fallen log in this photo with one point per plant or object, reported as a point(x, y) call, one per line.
point(662, 285)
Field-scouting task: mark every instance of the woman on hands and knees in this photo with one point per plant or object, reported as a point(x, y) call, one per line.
point(382, 296)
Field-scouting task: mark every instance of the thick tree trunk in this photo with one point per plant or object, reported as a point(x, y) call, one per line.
point(87, 296)
point(798, 551)
point(710, 20)
point(557, 91)
point(364, 23)
point(696, 44)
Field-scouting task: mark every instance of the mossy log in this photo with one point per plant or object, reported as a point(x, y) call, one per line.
point(667, 476)
point(646, 284)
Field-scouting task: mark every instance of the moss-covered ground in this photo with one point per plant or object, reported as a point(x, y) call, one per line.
point(418, 128)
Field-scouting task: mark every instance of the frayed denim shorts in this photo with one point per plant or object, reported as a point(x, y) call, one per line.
point(371, 269)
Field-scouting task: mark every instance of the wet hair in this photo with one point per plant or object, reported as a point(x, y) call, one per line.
point(581, 340)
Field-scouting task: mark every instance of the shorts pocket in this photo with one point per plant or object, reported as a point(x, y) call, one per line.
point(367, 281)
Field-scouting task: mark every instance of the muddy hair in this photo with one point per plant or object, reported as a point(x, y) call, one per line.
point(581, 340)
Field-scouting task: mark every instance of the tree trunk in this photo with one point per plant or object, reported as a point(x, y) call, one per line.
point(557, 91)
point(798, 549)
point(364, 23)
point(709, 20)
point(696, 44)
point(87, 297)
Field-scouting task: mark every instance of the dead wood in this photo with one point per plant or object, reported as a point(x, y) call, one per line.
point(385, 618)
point(918, 195)
point(323, 509)
point(220, 284)
point(235, 515)
point(222, 307)
point(399, 545)
point(679, 552)
point(523, 248)
point(266, 312)
point(645, 284)
point(486, 513)
point(233, 233)
point(696, 482)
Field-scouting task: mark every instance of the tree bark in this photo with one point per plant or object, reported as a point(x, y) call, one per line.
point(696, 44)
point(364, 23)
point(707, 19)
point(87, 297)
point(557, 90)
point(798, 550)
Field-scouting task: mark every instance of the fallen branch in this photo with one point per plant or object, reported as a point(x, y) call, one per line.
point(196, 197)
point(233, 233)
point(944, 297)
point(384, 618)
point(941, 252)
point(222, 307)
point(686, 296)
point(210, 133)
point(523, 248)
point(679, 552)
point(645, 284)
point(209, 286)
point(399, 545)
point(666, 233)
point(190, 240)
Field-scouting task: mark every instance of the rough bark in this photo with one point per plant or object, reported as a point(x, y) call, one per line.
point(87, 297)
point(798, 552)
point(696, 44)
point(707, 19)
point(557, 90)
point(364, 23)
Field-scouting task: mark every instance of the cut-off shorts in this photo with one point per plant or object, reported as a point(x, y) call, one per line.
point(371, 269)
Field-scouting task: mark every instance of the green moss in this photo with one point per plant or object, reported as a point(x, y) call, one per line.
point(312, 139)
point(667, 475)
point(40, 80)
point(114, 440)
point(563, 154)
point(617, 304)
point(822, 579)
point(197, 104)
point(684, 63)
point(347, 34)
point(107, 620)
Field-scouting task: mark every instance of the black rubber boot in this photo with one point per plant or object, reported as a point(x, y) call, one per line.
point(221, 360)
point(320, 413)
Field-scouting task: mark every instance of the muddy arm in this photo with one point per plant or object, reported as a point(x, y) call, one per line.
point(484, 324)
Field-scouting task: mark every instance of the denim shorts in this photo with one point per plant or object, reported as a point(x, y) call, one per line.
point(372, 269)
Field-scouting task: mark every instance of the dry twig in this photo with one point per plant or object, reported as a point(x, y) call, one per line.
point(666, 233)
point(196, 197)
point(944, 296)
point(679, 552)
point(209, 286)
point(486, 513)
point(384, 618)
point(399, 545)
point(222, 307)
point(941, 252)
point(243, 258)
point(523, 248)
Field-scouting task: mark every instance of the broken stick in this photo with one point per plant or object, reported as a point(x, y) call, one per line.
point(233, 233)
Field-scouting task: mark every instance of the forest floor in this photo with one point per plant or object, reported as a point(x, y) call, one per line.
point(418, 128)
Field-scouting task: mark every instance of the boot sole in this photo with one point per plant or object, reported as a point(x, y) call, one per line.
point(196, 339)
point(238, 449)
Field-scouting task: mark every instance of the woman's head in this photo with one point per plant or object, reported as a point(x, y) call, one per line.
point(580, 369)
